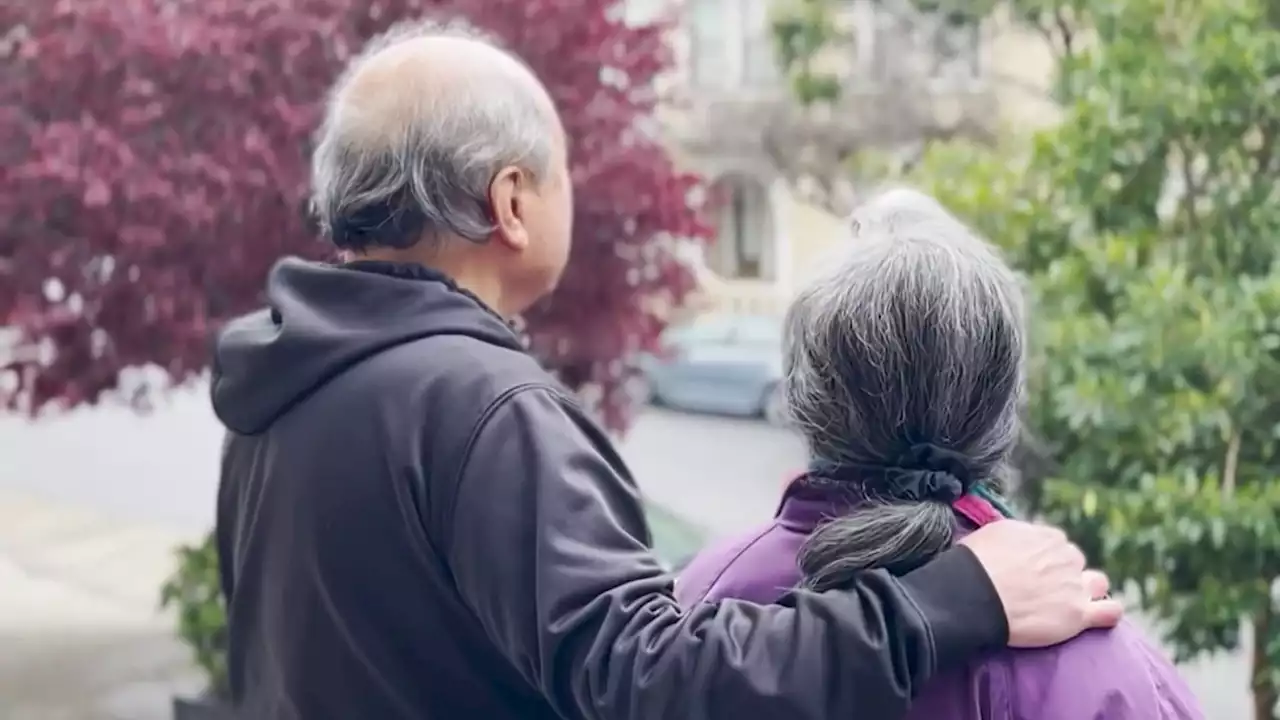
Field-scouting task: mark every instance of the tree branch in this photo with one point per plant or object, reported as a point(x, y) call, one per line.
point(1065, 32)
point(1230, 464)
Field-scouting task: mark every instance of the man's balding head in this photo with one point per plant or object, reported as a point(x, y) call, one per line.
point(416, 130)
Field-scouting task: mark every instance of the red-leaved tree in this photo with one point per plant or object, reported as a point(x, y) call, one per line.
point(153, 165)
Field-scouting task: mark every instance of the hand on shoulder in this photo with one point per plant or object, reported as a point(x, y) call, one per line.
point(1040, 576)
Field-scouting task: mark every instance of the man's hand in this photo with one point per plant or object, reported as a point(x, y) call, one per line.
point(1048, 595)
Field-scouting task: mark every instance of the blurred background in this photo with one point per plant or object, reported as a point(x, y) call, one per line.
point(1122, 153)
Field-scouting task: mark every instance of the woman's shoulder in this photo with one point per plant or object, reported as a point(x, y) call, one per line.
point(1115, 674)
point(758, 565)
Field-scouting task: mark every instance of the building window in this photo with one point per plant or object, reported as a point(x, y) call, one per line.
point(709, 44)
point(743, 244)
point(907, 43)
point(746, 235)
point(730, 43)
point(643, 12)
point(759, 62)
point(956, 51)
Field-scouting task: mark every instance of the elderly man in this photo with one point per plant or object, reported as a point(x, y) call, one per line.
point(415, 521)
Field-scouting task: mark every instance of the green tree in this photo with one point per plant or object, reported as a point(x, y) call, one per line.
point(1147, 223)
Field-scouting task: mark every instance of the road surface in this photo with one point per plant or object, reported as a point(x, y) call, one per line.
point(162, 467)
point(160, 471)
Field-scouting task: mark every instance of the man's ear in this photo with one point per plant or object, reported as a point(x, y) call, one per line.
point(508, 196)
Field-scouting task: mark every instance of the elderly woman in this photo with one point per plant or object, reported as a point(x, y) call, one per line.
point(904, 367)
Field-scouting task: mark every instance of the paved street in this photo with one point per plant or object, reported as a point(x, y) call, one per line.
point(162, 468)
point(91, 504)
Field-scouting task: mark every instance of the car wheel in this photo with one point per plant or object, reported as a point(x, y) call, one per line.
point(773, 406)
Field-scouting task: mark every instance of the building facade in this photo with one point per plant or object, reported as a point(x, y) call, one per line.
point(769, 237)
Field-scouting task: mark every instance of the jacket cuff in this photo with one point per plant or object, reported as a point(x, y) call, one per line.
point(960, 606)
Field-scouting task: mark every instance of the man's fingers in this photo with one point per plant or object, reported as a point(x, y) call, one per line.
point(1103, 613)
point(1097, 583)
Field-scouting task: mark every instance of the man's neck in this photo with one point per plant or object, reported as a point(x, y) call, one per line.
point(484, 285)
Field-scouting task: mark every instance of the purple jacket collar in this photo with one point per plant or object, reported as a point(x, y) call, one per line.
point(803, 506)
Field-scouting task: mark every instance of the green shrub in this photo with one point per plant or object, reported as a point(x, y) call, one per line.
point(194, 592)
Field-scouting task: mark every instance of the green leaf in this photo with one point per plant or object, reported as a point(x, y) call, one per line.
point(194, 592)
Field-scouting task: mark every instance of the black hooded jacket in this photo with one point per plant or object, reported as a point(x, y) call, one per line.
point(416, 522)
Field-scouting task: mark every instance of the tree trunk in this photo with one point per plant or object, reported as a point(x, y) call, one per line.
point(1265, 692)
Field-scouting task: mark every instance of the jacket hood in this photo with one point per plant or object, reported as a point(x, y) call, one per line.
point(322, 319)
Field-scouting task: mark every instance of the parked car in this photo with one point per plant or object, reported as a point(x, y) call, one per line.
point(719, 363)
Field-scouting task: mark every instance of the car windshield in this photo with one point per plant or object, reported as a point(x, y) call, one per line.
point(758, 331)
point(709, 329)
point(728, 329)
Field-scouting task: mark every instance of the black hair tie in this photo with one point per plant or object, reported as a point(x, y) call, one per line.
point(924, 473)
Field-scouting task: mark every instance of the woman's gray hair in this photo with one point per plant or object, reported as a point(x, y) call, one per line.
point(389, 179)
point(916, 336)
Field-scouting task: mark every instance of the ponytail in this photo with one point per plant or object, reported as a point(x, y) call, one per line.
point(898, 537)
point(908, 521)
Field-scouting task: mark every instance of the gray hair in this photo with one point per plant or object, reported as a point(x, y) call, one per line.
point(391, 178)
point(915, 337)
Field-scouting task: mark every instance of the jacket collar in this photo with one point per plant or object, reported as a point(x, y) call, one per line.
point(414, 271)
point(805, 505)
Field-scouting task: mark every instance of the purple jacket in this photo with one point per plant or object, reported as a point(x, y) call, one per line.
point(1101, 675)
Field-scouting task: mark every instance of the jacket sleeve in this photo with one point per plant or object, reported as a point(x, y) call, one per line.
point(548, 545)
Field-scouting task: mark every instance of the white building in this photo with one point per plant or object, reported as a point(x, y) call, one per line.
point(727, 79)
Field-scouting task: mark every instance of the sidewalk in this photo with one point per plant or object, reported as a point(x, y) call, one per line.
point(81, 634)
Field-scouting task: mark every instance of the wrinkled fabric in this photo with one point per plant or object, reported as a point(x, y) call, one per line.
point(1101, 675)
point(416, 523)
